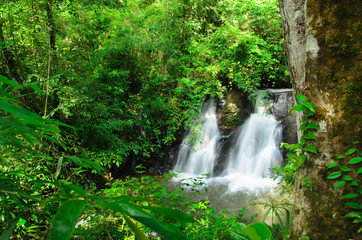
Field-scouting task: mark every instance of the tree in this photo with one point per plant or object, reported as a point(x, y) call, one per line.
point(323, 45)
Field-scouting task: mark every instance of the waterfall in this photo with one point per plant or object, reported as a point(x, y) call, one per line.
point(254, 150)
point(257, 145)
point(199, 158)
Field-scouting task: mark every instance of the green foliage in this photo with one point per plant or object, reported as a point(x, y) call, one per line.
point(300, 152)
point(350, 182)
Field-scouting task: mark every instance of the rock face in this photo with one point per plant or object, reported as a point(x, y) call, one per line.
point(282, 103)
point(234, 108)
point(323, 44)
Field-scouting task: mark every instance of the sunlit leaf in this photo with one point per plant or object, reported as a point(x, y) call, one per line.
point(257, 231)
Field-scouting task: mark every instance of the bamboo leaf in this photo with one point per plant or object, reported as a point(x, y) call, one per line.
point(66, 218)
point(139, 234)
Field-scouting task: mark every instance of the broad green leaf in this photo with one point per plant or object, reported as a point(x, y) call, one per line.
point(166, 230)
point(298, 108)
point(236, 232)
point(310, 135)
point(312, 125)
point(340, 157)
point(350, 196)
point(332, 165)
point(257, 231)
point(310, 148)
point(350, 151)
point(359, 170)
point(353, 205)
point(339, 184)
point(355, 160)
point(347, 178)
point(300, 160)
point(311, 107)
point(334, 175)
point(66, 218)
point(353, 183)
point(345, 169)
point(302, 99)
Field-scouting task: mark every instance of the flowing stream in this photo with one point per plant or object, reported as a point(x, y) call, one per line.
point(252, 151)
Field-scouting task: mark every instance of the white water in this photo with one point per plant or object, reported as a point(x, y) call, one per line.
point(254, 151)
point(198, 159)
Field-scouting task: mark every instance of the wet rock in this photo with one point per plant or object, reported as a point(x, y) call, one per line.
point(234, 109)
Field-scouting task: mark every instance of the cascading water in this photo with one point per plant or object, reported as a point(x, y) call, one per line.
point(199, 159)
point(252, 149)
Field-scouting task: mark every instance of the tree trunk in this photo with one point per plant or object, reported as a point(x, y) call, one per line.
point(323, 45)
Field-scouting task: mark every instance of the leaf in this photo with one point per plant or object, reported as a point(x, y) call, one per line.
point(302, 99)
point(6, 234)
point(355, 160)
point(350, 151)
point(350, 196)
point(312, 125)
point(170, 213)
point(334, 175)
point(340, 157)
point(353, 215)
point(354, 205)
point(310, 135)
point(339, 184)
point(347, 178)
point(166, 230)
point(59, 167)
point(310, 148)
point(257, 231)
point(332, 165)
point(311, 107)
point(14, 84)
point(66, 218)
point(345, 169)
point(353, 183)
point(359, 170)
point(236, 231)
point(298, 108)
point(139, 234)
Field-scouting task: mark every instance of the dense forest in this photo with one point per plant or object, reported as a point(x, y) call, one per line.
point(94, 93)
